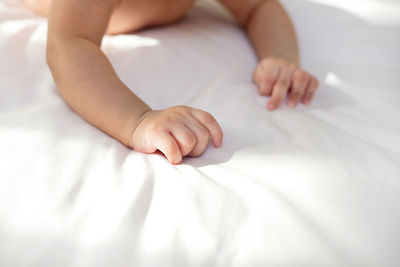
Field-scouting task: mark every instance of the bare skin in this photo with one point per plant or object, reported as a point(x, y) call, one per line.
point(89, 85)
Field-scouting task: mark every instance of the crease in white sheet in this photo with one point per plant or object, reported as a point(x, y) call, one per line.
point(315, 186)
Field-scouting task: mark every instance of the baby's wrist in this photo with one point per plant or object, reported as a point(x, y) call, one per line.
point(132, 125)
point(292, 59)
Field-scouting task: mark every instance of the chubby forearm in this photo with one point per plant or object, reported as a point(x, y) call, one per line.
point(272, 33)
point(89, 85)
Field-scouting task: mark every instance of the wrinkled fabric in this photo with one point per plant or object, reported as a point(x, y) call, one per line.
point(311, 186)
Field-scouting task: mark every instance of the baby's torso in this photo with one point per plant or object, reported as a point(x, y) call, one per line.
point(133, 15)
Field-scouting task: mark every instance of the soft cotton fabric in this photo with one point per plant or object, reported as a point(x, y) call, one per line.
point(312, 186)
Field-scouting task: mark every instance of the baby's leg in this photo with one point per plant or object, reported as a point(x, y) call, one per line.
point(131, 15)
point(121, 20)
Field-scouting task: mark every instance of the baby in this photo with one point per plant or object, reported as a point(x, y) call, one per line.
point(89, 85)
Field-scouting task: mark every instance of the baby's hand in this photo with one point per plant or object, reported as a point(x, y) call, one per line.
point(277, 78)
point(177, 131)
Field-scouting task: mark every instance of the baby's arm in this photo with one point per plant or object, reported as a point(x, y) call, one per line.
point(272, 34)
point(84, 76)
point(88, 83)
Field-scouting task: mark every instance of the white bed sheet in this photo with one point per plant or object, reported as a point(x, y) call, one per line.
point(316, 186)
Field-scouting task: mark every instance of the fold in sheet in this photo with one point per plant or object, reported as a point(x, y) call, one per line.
point(315, 186)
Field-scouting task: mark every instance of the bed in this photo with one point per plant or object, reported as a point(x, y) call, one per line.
point(312, 186)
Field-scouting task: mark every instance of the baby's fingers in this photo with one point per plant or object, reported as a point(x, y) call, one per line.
point(202, 137)
point(164, 142)
point(310, 91)
point(208, 121)
point(280, 88)
point(299, 85)
point(265, 77)
point(184, 137)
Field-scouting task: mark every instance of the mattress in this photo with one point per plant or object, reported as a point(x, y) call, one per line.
point(311, 186)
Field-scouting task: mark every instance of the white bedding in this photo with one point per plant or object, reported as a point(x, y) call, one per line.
point(316, 186)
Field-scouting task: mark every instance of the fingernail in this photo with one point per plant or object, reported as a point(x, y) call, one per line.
point(218, 143)
point(271, 106)
point(176, 160)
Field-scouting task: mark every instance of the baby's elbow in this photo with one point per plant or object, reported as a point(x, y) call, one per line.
point(54, 49)
point(243, 11)
point(51, 52)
